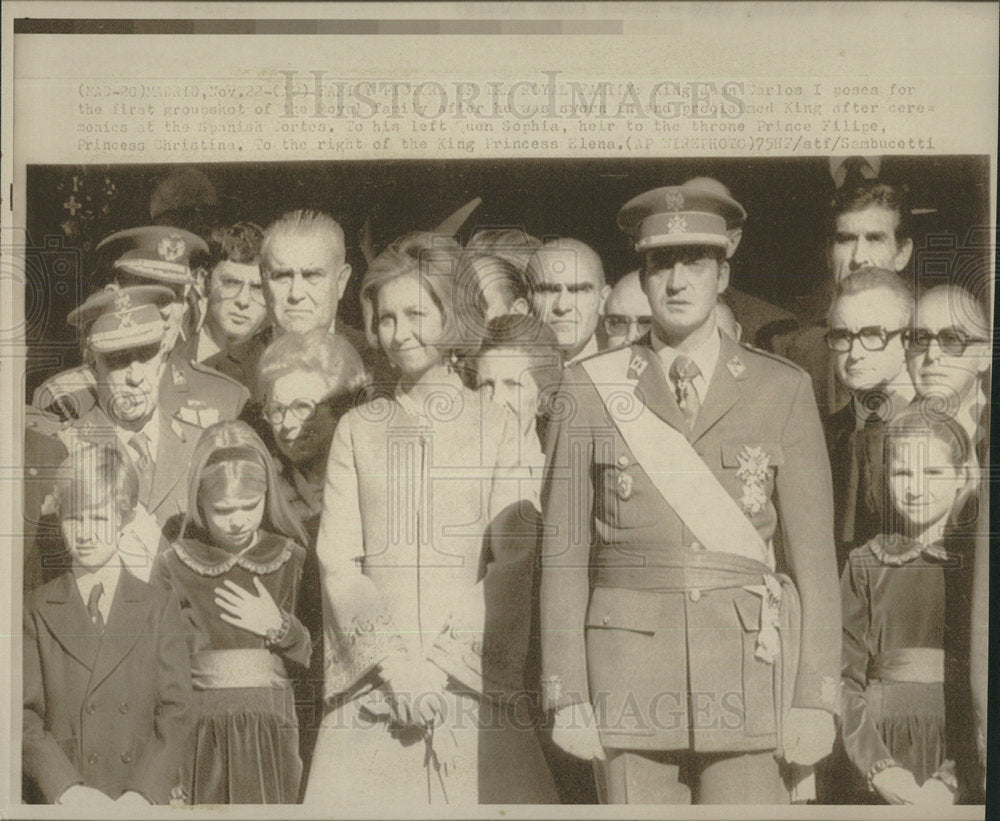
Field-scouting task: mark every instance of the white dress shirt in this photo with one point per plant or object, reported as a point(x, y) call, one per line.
point(705, 356)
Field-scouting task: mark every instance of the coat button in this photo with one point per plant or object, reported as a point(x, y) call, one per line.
point(695, 595)
point(123, 708)
point(127, 757)
point(92, 759)
point(91, 709)
point(606, 621)
point(623, 461)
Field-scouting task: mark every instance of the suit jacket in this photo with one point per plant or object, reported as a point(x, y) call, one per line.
point(112, 711)
point(675, 667)
point(806, 347)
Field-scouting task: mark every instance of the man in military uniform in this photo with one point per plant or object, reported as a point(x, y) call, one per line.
point(671, 614)
point(125, 334)
point(160, 255)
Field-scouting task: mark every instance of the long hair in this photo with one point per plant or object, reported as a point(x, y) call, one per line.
point(220, 446)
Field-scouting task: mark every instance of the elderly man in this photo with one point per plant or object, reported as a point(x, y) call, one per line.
point(869, 227)
point(670, 643)
point(871, 309)
point(304, 275)
point(159, 255)
point(627, 314)
point(568, 292)
point(125, 335)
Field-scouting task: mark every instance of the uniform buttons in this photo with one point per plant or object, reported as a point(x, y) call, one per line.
point(606, 620)
point(91, 709)
point(123, 708)
point(695, 595)
point(92, 759)
point(623, 461)
point(32, 471)
point(127, 758)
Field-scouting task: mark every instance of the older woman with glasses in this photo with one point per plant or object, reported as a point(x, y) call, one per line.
point(426, 603)
point(308, 381)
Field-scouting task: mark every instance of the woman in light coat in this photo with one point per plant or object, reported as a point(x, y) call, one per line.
point(426, 595)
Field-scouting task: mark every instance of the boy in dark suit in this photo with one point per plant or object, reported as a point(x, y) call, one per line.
point(107, 671)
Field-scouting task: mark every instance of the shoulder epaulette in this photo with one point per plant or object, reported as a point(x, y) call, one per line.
point(208, 370)
point(770, 355)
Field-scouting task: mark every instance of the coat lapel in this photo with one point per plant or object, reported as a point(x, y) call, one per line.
point(126, 623)
point(653, 390)
point(66, 616)
point(724, 391)
point(172, 454)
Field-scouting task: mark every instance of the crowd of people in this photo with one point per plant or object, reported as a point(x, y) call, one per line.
point(523, 538)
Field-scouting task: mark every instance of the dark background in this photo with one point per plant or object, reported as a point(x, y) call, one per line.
point(781, 257)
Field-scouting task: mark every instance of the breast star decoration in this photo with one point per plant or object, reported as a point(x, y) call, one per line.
point(754, 465)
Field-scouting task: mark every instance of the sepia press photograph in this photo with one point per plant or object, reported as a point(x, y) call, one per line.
point(378, 484)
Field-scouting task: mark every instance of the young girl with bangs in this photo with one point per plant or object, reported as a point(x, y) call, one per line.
point(236, 571)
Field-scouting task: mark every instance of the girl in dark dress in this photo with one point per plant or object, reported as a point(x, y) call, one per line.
point(900, 602)
point(236, 571)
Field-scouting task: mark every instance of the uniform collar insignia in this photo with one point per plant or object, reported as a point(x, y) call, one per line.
point(736, 367)
point(178, 376)
point(636, 366)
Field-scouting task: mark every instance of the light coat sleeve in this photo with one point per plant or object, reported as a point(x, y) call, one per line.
point(359, 632)
point(805, 504)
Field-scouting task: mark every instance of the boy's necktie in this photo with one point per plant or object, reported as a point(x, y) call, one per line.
point(683, 370)
point(92, 606)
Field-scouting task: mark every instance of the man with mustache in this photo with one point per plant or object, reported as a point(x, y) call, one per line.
point(668, 632)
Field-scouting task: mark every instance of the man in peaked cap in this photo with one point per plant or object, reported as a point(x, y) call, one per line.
point(670, 629)
point(147, 255)
point(125, 333)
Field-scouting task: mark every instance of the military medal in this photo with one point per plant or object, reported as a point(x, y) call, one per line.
point(623, 488)
point(753, 470)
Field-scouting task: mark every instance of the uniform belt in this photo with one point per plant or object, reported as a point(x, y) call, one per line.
point(919, 665)
point(687, 570)
point(219, 669)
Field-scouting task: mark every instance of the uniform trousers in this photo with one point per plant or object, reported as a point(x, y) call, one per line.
point(683, 777)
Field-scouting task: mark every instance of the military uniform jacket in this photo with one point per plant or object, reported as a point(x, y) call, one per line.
point(640, 618)
point(111, 711)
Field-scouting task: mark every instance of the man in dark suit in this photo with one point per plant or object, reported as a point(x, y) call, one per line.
point(304, 275)
point(870, 311)
point(869, 228)
point(670, 631)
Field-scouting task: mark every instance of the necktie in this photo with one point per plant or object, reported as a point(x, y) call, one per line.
point(92, 606)
point(143, 465)
point(682, 372)
point(864, 490)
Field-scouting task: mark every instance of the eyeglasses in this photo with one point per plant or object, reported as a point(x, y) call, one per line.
point(619, 324)
point(872, 338)
point(302, 409)
point(232, 288)
point(951, 340)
